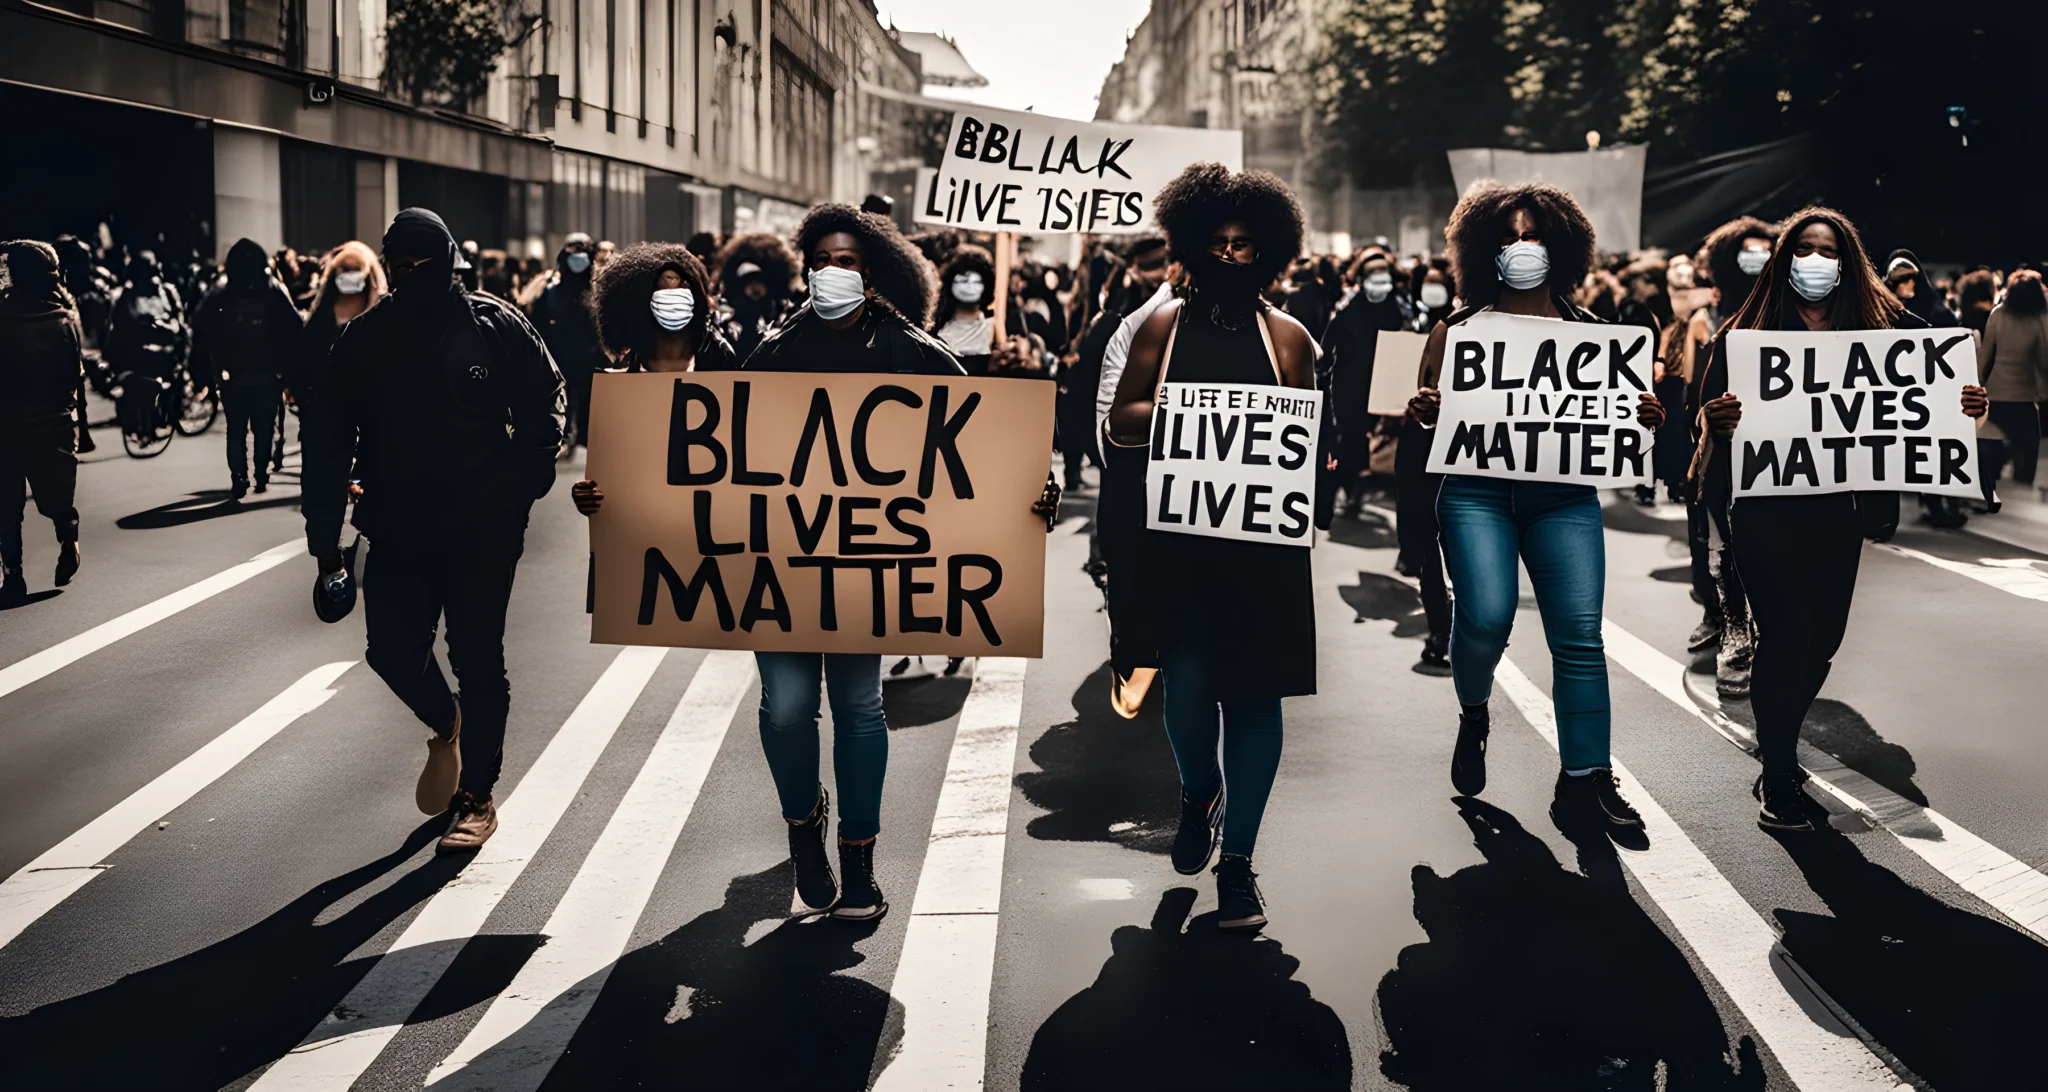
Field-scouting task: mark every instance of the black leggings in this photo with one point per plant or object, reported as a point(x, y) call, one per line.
point(1798, 558)
point(2021, 423)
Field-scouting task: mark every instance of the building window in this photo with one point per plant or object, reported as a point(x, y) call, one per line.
point(801, 109)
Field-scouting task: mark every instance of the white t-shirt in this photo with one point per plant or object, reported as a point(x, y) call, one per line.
point(968, 336)
point(1117, 355)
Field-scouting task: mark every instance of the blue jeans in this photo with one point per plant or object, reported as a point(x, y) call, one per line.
point(790, 685)
point(1250, 733)
point(1554, 529)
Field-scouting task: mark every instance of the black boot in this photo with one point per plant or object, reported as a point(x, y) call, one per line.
point(1201, 826)
point(816, 890)
point(1239, 904)
point(860, 898)
point(1468, 759)
point(1784, 806)
point(1436, 656)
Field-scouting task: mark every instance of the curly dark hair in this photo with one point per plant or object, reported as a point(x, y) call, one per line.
point(1206, 196)
point(1861, 301)
point(619, 295)
point(1721, 249)
point(778, 265)
point(899, 274)
point(1480, 220)
point(966, 258)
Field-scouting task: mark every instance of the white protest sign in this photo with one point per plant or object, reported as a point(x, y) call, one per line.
point(1396, 366)
point(1010, 171)
point(1234, 460)
point(1544, 400)
point(1829, 412)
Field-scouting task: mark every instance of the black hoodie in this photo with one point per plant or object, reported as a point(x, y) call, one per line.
point(41, 344)
point(245, 331)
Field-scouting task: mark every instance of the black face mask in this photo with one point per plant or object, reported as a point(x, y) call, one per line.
point(1231, 285)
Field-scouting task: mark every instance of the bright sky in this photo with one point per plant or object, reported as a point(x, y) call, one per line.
point(1047, 55)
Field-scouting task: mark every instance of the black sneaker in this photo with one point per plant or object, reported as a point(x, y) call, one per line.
point(1784, 805)
point(860, 899)
point(1468, 759)
point(816, 890)
point(1591, 800)
point(1436, 656)
point(1706, 635)
point(238, 489)
point(1239, 906)
point(1201, 827)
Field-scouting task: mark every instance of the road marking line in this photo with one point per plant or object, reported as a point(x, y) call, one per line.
point(64, 653)
point(594, 922)
point(2015, 575)
point(1730, 939)
point(2002, 881)
point(345, 1044)
point(947, 970)
point(40, 885)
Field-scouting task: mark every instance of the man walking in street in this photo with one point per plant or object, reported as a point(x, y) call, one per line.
point(449, 410)
point(242, 342)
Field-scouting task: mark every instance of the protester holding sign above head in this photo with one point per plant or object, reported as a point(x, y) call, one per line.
point(1521, 251)
point(1798, 554)
point(754, 276)
point(1233, 621)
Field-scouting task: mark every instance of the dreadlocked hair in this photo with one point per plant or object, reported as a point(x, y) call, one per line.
point(1481, 220)
point(899, 274)
point(967, 258)
point(1860, 301)
point(778, 265)
point(1207, 196)
point(1722, 247)
point(620, 294)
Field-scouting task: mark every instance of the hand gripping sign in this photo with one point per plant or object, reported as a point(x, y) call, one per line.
point(1234, 460)
point(819, 513)
point(1829, 412)
point(1544, 400)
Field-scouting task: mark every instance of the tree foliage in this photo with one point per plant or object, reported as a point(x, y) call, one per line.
point(442, 52)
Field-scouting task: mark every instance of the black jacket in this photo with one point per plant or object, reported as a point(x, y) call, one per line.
point(246, 332)
point(882, 340)
point(41, 361)
point(438, 419)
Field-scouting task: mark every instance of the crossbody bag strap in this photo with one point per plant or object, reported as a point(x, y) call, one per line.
point(1159, 383)
point(1272, 357)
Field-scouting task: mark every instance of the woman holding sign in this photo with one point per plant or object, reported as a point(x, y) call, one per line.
point(1798, 554)
point(1522, 251)
point(1235, 619)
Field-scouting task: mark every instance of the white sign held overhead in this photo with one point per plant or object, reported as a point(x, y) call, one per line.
point(1544, 400)
point(1005, 170)
point(1234, 460)
point(1831, 412)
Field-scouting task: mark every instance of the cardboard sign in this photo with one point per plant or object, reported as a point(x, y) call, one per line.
point(1234, 460)
point(1828, 412)
point(1544, 400)
point(802, 512)
point(1010, 171)
point(1396, 371)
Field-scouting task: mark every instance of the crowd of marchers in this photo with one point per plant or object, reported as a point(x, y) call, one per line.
point(437, 386)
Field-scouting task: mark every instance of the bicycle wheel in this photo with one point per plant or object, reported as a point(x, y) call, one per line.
point(198, 415)
point(147, 445)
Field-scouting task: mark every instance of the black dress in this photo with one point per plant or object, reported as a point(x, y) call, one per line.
point(1243, 611)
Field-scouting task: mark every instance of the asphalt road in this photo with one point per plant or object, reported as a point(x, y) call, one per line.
point(212, 861)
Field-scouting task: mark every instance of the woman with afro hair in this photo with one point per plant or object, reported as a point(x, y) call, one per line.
point(755, 277)
point(967, 287)
point(1522, 250)
point(1798, 554)
point(1227, 656)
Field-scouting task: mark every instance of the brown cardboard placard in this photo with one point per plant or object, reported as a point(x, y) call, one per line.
point(912, 502)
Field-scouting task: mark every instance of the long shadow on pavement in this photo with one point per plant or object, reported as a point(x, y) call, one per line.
point(1955, 995)
point(1102, 778)
point(1537, 977)
point(738, 997)
point(194, 507)
point(207, 1019)
point(1189, 1008)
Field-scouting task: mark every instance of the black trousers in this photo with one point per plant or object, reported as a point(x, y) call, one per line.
point(462, 573)
point(37, 459)
point(1798, 557)
point(1416, 533)
point(2021, 423)
point(247, 410)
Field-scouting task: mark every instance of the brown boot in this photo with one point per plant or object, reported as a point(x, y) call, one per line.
point(475, 820)
point(443, 771)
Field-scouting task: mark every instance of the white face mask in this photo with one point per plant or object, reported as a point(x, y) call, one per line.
point(967, 287)
point(351, 282)
point(1435, 295)
point(1814, 276)
point(1378, 286)
point(1752, 260)
point(673, 308)
point(835, 292)
point(577, 263)
point(1523, 265)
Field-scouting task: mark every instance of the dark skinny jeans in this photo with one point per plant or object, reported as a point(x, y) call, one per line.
point(1798, 557)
